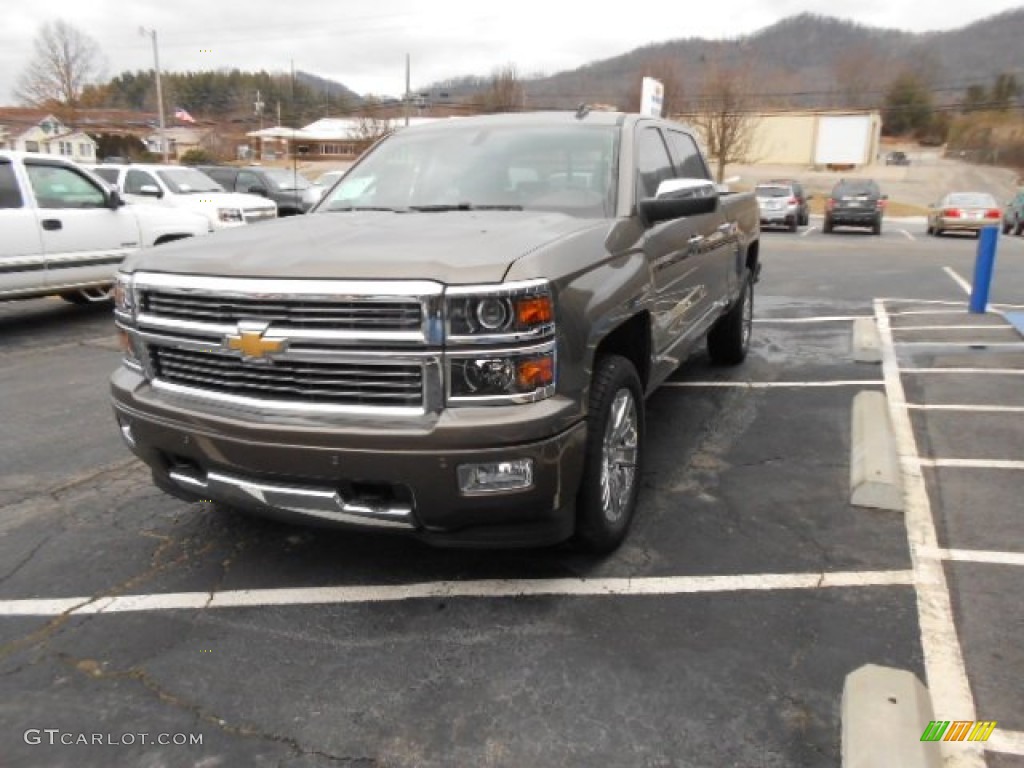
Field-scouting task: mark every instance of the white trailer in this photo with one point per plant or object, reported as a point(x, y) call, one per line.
point(847, 140)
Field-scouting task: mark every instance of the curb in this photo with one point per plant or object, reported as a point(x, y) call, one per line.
point(867, 343)
point(884, 714)
point(875, 479)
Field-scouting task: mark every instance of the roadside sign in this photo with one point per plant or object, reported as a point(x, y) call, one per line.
point(652, 96)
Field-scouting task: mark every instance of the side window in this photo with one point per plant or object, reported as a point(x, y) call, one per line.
point(247, 180)
point(134, 181)
point(653, 164)
point(689, 163)
point(10, 194)
point(60, 187)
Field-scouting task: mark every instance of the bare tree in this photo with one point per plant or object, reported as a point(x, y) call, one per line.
point(506, 93)
point(725, 118)
point(65, 59)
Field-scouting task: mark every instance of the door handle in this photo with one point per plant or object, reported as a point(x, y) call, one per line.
point(52, 224)
point(727, 227)
point(695, 239)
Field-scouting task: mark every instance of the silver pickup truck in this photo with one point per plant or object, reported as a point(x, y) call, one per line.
point(457, 342)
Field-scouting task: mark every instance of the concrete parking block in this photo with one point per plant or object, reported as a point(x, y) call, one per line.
point(867, 344)
point(875, 479)
point(885, 711)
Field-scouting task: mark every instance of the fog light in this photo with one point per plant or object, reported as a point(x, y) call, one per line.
point(495, 477)
point(126, 432)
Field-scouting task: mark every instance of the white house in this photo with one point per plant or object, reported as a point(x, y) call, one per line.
point(51, 137)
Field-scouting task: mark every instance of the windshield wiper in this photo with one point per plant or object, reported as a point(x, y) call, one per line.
point(464, 207)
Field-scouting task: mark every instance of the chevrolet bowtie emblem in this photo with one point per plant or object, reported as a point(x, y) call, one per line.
point(250, 342)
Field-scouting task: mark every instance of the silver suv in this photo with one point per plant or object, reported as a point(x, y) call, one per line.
point(782, 204)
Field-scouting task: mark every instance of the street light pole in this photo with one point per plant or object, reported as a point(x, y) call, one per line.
point(159, 90)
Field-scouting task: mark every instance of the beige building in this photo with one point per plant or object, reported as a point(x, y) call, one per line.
point(817, 139)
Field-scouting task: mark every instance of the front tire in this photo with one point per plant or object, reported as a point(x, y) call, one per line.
point(611, 473)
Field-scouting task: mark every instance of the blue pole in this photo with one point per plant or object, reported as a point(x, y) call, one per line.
point(984, 263)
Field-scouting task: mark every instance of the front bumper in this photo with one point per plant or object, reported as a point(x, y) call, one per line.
point(372, 478)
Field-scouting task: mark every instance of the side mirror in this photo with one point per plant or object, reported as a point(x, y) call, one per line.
point(114, 200)
point(677, 198)
point(151, 190)
point(257, 190)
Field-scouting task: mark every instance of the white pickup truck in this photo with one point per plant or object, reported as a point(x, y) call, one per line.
point(64, 232)
point(177, 186)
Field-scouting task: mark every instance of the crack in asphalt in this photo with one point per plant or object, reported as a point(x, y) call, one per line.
point(137, 673)
point(43, 635)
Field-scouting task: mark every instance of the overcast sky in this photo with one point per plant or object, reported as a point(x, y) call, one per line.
point(363, 44)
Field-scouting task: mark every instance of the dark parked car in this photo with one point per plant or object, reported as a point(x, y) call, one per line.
point(290, 190)
point(897, 158)
point(855, 203)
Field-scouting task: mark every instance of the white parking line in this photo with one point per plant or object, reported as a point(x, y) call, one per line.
point(775, 384)
point(966, 408)
point(971, 463)
point(959, 343)
point(808, 231)
point(943, 657)
point(1007, 742)
point(978, 556)
point(958, 280)
point(902, 328)
point(824, 319)
point(907, 235)
point(929, 312)
point(606, 587)
point(989, 371)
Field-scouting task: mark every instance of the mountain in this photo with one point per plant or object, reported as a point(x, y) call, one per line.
point(802, 61)
point(337, 92)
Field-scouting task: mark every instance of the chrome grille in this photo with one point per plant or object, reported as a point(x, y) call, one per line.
point(369, 315)
point(333, 383)
point(260, 214)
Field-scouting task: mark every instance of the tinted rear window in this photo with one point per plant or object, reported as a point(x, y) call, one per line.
point(853, 188)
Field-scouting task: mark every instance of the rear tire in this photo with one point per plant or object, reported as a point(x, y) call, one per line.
point(611, 472)
point(827, 227)
point(792, 225)
point(1019, 229)
point(876, 228)
point(729, 338)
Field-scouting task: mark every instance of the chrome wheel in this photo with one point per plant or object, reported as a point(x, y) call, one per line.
point(619, 456)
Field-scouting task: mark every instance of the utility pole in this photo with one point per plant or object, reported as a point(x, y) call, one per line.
point(407, 94)
point(159, 91)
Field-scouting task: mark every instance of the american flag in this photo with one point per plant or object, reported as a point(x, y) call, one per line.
point(181, 114)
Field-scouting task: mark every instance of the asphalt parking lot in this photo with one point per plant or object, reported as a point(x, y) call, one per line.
point(720, 634)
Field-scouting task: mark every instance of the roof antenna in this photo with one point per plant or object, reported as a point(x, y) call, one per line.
point(582, 111)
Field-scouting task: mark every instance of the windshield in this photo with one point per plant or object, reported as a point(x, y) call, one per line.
point(284, 179)
point(771, 191)
point(972, 200)
point(188, 181)
point(566, 168)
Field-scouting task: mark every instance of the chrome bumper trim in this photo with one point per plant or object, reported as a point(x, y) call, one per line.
point(307, 501)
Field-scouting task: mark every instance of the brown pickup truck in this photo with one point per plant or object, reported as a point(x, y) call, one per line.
point(457, 342)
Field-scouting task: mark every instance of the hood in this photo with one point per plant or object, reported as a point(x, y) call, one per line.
point(453, 247)
point(226, 200)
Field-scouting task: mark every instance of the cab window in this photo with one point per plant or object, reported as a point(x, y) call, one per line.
point(653, 164)
point(10, 194)
point(689, 163)
point(134, 181)
point(59, 187)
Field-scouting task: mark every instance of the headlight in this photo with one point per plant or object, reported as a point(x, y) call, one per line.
point(124, 294)
point(230, 214)
point(508, 312)
point(502, 376)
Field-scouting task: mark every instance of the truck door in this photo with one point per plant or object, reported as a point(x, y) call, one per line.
point(22, 262)
point(84, 240)
point(678, 256)
point(724, 267)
